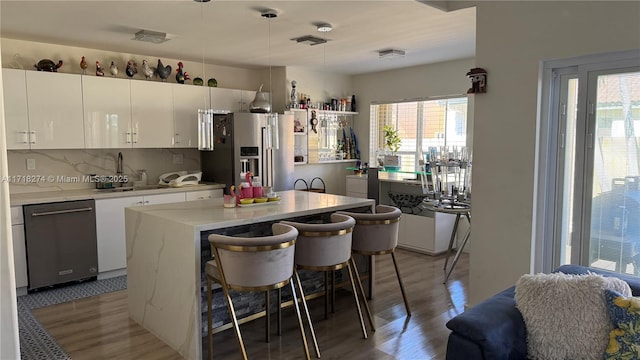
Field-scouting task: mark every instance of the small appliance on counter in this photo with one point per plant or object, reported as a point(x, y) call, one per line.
point(180, 178)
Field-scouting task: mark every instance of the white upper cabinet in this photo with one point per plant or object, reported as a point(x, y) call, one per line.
point(55, 110)
point(107, 112)
point(226, 99)
point(16, 113)
point(187, 99)
point(151, 114)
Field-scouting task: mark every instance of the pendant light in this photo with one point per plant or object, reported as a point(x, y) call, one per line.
point(273, 138)
point(206, 138)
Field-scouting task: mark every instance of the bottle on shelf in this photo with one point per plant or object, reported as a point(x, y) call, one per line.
point(353, 103)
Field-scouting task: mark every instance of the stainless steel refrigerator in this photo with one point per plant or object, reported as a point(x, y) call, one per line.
point(242, 142)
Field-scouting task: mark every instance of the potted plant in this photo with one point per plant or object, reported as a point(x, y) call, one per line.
point(392, 142)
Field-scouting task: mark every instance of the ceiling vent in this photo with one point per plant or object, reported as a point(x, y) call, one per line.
point(390, 54)
point(309, 40)
point(155, 37)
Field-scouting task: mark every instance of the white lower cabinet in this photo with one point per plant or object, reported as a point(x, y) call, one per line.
point(203, 194)
point(19, 247)
point(357, 186)
point(112, 252)
point(429, 235)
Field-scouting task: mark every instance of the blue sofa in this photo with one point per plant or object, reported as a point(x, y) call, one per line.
point(495, 330)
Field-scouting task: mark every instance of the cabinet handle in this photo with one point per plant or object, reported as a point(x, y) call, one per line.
point(135, 137)
point(177, 138)
point(146, 201)
point(58, 212)
point(128, 137)
point(140, 202)
point(25, 136)
point(32, 137)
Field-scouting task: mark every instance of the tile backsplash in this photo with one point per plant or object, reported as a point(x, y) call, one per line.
point(69, 169)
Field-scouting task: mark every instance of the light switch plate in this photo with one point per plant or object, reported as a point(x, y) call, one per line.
point(177, 159)
point(31, 164)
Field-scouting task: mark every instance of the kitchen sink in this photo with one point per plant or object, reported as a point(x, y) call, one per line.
point(130, 188)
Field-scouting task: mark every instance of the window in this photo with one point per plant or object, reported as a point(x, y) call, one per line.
point(421, 124)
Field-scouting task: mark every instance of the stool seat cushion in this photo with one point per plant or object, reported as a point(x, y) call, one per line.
point(250, 266)
point(370, 237)
point(326, 250)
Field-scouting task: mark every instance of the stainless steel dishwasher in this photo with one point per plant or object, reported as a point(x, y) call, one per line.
point(61, 242)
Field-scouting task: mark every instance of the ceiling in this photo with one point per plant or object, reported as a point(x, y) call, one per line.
point(234, 33)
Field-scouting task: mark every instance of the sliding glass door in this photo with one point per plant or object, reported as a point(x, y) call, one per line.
point(598, 177)
point(614, 180)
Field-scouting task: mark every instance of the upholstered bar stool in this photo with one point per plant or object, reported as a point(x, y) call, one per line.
point(377, 234)
point(252, 264)
point(326, 247)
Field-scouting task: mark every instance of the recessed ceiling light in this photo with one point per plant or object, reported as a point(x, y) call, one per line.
point(155, 37)
point(269, 13)
point(390, 54)
point(310, 40)
point(201, 1)
point(324, 27)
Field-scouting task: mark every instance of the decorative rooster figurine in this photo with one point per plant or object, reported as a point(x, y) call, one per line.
point(113, 69)
point(181, 76)
point(84, 65)
point(147, 70)
point(99, 70)
point(163, 71)
point(131, 69)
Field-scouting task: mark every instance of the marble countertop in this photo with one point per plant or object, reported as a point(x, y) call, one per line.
point(210, 214)
point(20, 199)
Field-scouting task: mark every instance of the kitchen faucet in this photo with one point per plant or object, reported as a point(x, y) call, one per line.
point(119, 166)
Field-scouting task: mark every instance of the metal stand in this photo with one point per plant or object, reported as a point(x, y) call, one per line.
point(458, 212)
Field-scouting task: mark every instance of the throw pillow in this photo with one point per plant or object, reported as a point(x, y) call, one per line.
point(624, 340)
point(566, 315)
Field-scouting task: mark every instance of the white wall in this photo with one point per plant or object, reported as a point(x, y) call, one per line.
point(9, 341)
point(512, 38)
point(446, 78)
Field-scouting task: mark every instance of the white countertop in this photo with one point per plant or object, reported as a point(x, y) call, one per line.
point(20, 199)
point(210, 214)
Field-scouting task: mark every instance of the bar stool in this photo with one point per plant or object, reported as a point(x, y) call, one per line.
point(377, 234)
point(326, 247)
point(252, 264)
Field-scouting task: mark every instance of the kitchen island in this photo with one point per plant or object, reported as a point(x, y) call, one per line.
point(164, 265)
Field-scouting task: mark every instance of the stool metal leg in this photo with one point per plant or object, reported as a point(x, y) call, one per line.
point(326, 295)
point(267, 309)
point(306, 311)
point(300, 325)
point(364, 296)
point(279, 312)
point(333, 291)
point(209, 319)
point(232, 312)
point(355, 296)
point(404, 294)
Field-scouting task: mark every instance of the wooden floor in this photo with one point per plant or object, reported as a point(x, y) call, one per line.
point(99, 327)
